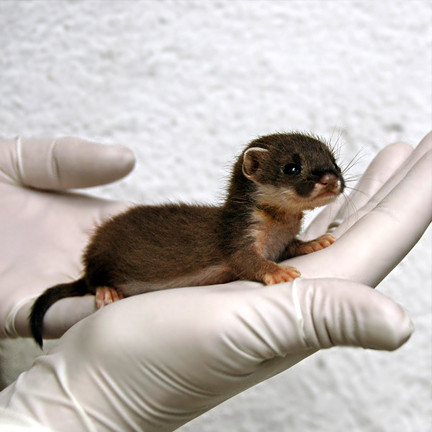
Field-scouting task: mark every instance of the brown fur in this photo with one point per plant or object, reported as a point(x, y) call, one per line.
point(156, 247)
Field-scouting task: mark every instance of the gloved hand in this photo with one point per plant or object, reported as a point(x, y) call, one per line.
point(43, 233)
point(154, 361)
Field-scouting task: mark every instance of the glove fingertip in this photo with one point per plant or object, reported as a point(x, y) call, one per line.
point(339, 312)
point(395, 329)
point(120, 160)
point(82, 163)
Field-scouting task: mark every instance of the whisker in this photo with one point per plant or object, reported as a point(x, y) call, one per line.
point(335, 145)
point(352, 208)
point(353, 178)
point(357, 190)
point(356, 158)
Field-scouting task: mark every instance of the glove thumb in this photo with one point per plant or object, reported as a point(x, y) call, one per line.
point(333, 312)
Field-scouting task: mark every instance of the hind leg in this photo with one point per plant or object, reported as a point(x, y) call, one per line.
point(106, 295)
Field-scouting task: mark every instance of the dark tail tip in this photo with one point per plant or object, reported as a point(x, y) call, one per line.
point(47, 299)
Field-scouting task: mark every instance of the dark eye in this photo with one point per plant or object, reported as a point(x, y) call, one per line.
point(292, 169)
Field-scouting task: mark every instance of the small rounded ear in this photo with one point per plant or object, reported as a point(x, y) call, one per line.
point(252, 159)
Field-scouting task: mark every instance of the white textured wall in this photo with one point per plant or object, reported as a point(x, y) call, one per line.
point(186, 84)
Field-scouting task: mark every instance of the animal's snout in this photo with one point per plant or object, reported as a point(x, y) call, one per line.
point(330, 181)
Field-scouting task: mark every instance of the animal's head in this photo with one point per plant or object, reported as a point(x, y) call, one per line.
point(292, 170)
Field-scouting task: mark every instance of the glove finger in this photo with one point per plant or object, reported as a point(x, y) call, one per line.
point(311, 314)
point(393, 227)
point(326, 313)
point(345, 313)
point(15, 309)
point(62, 163)
point(59, 318)
point(242, 334)
point(383, 166)
point(377, 242)
point(418, 153)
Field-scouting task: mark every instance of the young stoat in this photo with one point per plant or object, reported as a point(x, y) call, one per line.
point(150, 248)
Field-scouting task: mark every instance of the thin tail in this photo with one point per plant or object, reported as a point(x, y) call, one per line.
point(48, 298)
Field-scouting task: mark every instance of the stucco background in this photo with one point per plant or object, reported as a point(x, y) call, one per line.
point(186, 84)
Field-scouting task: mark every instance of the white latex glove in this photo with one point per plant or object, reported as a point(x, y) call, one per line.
point(154, 361)
point(43, 234)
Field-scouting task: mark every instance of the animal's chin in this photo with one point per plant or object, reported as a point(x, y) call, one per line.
point(327, 195)
point(323, 198)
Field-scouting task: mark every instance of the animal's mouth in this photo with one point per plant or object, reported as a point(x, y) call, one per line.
point(323, 194)
point(328, 193)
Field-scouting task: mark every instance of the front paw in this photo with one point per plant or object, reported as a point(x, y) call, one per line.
point(315, 245)
point(282, 274)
